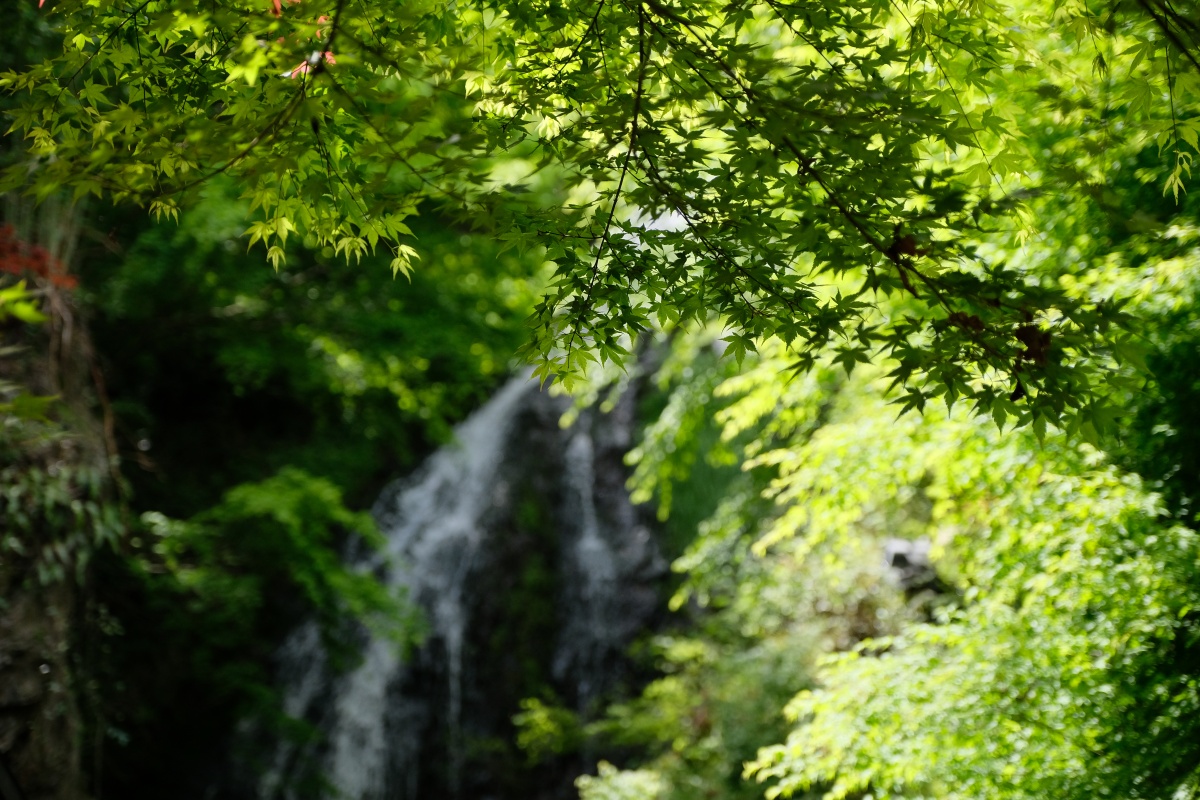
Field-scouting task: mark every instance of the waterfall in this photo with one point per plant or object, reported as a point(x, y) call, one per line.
point(588, 632)
point(457, 537)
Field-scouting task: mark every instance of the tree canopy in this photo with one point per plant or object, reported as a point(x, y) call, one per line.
point(847, 176)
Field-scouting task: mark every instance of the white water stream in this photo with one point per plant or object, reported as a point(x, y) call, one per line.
point(436, 524)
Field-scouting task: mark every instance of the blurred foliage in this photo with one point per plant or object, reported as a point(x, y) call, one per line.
point(56, 508)
point(195, 608)
point(17, 302)
point(1068, 671)
point(255, 412)
point(612, 784)
point(18, 305)
point(280, 530)
point(1064, 660)
point(54, 515)
point(750, 626)
point(223, 371)
point(1162, 438)
point(545, 730)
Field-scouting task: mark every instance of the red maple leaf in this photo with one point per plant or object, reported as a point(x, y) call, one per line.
point(19, 257)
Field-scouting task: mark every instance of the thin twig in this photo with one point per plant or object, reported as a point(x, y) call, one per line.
point(633, 134)
point(1165, 26)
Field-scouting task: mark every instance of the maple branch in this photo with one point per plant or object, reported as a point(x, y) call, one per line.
point(633, 133)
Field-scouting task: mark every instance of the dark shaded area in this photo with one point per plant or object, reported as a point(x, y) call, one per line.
point(1163, 438)
point(223, 373)
point(222, 370)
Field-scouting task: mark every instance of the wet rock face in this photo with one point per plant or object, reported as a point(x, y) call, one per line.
point(534, 571)
point(39, 722)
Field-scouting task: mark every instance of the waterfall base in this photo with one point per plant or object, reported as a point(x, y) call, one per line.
point(534, 572)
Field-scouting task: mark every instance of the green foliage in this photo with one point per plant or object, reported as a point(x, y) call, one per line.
point(680, 442)
point(1160, 439)
point(54, 515)
point(15, 302)
point(970, 206)
point(256, 412)
point(347, 375)
point(198, 606)
point(753, 619)
point(545, 730)
point(1069, 670)
point(614, 784)
point(285, 529)
point(56, 508)
point(791, 169)
point(1064, 659)
point(718, 702)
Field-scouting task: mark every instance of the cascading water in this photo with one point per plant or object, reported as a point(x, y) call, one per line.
point(532, 568)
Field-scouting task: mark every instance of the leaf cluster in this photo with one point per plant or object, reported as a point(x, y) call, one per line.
point(791, 169)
